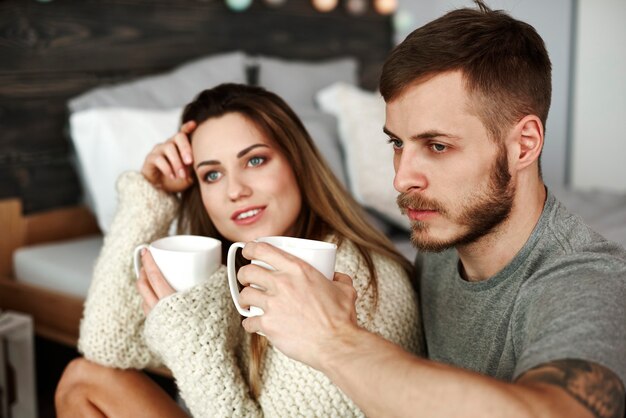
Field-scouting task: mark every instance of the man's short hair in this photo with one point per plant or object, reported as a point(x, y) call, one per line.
point(503, 60)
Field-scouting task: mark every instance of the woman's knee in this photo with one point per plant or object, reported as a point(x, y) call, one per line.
point(73, 383)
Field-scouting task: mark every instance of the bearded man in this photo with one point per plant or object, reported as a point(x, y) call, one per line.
point(523, 305)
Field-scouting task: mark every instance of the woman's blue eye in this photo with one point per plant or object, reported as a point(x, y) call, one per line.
point(212, 176)
point(254, 161)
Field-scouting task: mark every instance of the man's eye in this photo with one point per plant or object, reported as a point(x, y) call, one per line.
point(254, 161)
point(438, 147)
point(395, 143)
point(212, 176)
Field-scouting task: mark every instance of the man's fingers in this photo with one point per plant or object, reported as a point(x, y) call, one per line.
point(342, 278)
point(252, 324)
point(253, 274)
point(275, 257)
point(249, 296)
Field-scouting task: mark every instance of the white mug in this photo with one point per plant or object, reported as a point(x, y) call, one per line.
point(319, 254)
point(184, 260)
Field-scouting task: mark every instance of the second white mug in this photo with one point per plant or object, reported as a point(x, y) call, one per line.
point(319, 254)
point(184, 260)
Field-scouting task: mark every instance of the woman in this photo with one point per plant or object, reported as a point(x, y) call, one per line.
point(245, 167)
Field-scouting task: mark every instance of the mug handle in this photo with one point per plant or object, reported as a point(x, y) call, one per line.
point(137, 258)
point(232, 281)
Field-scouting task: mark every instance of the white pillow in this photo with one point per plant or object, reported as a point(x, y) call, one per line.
point(369, 158)
point(297, 82)
point(167, 90)
point(109, 141)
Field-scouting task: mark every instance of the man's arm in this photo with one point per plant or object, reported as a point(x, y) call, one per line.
point(597, 388)
point(386, 381)
point(313, 320)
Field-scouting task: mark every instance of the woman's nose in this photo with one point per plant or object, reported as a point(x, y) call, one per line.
point(238, 188)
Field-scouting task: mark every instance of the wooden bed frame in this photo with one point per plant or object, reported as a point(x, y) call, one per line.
point(56, 315)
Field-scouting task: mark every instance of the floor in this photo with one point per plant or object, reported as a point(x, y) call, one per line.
point(51, 359)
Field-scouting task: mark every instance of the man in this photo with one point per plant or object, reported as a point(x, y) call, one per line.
point(523, 305)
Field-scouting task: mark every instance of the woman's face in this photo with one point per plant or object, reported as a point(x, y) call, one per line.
point(248, 188)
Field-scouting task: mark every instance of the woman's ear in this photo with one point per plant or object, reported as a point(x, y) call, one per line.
point(529, 140)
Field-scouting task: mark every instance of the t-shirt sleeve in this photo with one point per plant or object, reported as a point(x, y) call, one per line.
point(572, 312)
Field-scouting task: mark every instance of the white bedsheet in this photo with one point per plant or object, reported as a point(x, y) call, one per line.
point(65, 266)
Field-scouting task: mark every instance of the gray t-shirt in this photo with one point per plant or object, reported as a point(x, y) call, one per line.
point(563, 296)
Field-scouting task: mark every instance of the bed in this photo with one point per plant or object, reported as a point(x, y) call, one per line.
point(89, 87)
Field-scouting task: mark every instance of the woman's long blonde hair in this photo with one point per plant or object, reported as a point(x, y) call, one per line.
point(326, 206)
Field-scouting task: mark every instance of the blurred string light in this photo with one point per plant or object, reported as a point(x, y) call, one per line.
point(385, 7)
point(354, 7)
point(238, 5)
point(402, 21)
point(324, 5)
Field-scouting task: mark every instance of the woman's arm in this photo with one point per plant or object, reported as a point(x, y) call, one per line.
point(111, 328)
point(198, 336)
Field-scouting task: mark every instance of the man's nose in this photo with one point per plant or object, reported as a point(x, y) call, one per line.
point(409, 173)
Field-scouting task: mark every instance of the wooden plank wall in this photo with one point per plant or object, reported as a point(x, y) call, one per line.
point(52, 51)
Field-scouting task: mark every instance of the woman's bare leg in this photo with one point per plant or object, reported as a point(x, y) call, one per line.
point(87, 389)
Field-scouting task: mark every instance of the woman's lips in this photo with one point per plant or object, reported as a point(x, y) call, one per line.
point(248, 216)
point(420, 214)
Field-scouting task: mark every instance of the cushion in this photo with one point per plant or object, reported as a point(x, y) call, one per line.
point(167, 90)
point(323, 129)
point(109, 141)
point(65, 266)
point(297, 82)
point(369, 158)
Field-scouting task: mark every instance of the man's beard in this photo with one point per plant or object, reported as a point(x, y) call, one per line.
point(481, 215)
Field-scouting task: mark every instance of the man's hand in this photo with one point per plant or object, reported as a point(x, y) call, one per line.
point(304, 313)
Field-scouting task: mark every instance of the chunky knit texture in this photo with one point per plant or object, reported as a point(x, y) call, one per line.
point(197, 333)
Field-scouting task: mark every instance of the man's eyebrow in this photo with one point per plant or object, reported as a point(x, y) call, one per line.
point(250, 148)
point(423, 135)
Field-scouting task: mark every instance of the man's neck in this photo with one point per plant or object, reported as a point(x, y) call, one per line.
point(489, 255)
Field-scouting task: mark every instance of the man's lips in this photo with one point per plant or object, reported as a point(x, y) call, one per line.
point(420, 214)
point(248, 215)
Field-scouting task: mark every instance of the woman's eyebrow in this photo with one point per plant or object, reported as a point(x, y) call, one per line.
point(208, 162)
point(250, 148)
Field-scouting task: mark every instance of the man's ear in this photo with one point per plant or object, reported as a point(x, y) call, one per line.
point(528, 140)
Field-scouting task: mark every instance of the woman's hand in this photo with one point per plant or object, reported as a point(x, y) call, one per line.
point(169, 165)
point(151, 284)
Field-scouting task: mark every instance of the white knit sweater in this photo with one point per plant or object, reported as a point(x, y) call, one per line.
point(197, 333)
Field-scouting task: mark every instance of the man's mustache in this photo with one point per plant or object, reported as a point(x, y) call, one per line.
point(415, 201)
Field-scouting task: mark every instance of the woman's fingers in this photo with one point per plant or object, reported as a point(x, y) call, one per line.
point(174, 158)
point(159, 285)
point(147, 293)
point(184, 147)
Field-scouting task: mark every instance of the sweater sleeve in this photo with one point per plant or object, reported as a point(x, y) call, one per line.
point(112, 324)
point(198, 335)
point(395, 314)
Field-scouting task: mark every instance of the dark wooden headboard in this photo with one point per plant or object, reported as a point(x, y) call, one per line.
point(51, 51)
